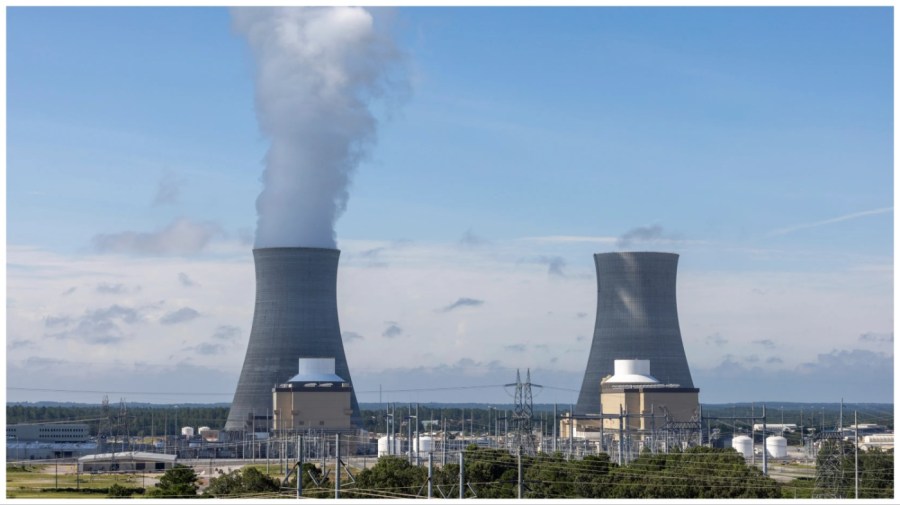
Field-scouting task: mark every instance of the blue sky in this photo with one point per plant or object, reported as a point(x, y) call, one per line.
point(755, 142)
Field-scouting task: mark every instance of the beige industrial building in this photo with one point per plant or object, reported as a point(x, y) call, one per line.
point(634, 400)
point(314, 399)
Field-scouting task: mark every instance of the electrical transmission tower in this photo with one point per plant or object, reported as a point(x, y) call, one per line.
point(831, 481)
point(106, 426)
point(523, 416)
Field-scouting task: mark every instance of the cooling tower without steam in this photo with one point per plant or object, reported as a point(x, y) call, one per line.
point(637, 318)
point(295, 316)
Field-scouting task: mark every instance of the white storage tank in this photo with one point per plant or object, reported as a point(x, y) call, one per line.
point(187, 431)
point(383, 447)
point(426, 443)
point(776, 447)
point(743, 444)
point(203, 429)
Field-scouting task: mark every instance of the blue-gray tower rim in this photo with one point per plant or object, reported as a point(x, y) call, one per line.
point(295, 316)
point(637, 318)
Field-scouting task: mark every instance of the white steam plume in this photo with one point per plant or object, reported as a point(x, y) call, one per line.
point(317, 69)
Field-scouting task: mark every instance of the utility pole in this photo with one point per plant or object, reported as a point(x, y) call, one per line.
point(555, 423)
point(462, 483)
point(519, 462)
point(337, 466)
point(856, 456)
point(299, 466)
point(621, 434)
point(765, 444)
point(409, 433)
point(430, 472)
point(418, 447)
point(389, 427)
point(444, 441)
point(841, 419)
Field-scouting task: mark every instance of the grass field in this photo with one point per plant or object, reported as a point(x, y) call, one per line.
point(48, 482)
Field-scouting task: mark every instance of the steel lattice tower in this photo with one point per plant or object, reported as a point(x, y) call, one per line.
point(830, 472)
point(523, 416)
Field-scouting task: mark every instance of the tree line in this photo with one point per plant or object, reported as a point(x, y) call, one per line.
point(135, 420)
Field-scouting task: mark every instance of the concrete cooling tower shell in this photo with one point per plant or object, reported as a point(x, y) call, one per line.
point(295, 316)
point(637, 318)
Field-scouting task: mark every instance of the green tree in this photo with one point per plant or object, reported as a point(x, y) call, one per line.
point(699, 472)
point(876, 473)
point(244, 482)
point(177, 482)
point(549, 476)
point(491, 472)
point(590, 476)
point(390, 477)
point(119, 491)
point(312, 480)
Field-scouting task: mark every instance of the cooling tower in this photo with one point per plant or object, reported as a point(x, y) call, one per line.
point(295, 315)
point(637, 318)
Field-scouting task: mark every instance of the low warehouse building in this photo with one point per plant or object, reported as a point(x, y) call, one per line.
point(126, 462)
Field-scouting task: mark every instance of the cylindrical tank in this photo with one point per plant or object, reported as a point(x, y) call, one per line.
point(203, 429)
point(187, 431)
point(426, 444)
point(383, 447)
point(743, 444)
point(776, 447)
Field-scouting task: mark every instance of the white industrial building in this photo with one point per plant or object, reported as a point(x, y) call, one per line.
point(126, 462)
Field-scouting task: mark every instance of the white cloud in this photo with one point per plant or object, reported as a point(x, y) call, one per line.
point(181, 315)
point(532, 320)
point(180, 237)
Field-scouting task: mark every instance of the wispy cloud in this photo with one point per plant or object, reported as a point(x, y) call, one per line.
point(462, 302)
point(471, 239)
point(351, 336)
point(816, 224)
point(182, 236)
point(642, 234)
point(767, 343)
point(568, 239)
point(227, 332)
point(185, 280)
point(555, 265)
point(182, 315)
point(115, 289)
point(877, 337)
point(716, 339)
point(99, 326)
point(206, 348)
point(393, 330)
point(168, 189)
point(19, 344)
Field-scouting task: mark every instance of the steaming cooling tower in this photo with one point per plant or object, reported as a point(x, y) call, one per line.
point(295, 315)
point(637, 318)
